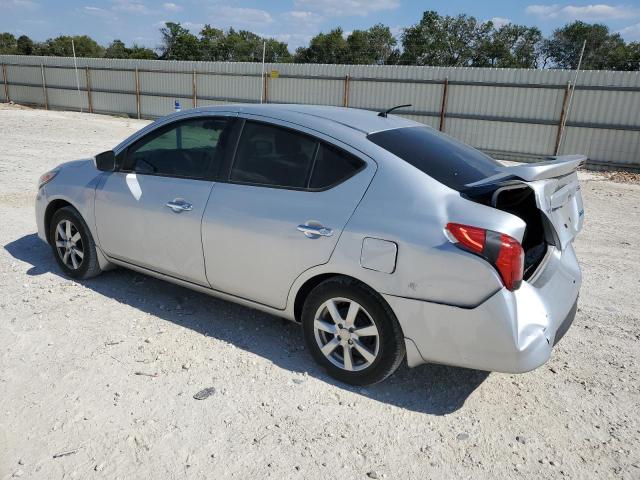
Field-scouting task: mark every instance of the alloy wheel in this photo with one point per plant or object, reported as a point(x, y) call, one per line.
point(346, 334)
point(69, 244)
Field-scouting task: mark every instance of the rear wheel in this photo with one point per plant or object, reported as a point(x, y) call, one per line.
point(73, 245)
point(352, 332)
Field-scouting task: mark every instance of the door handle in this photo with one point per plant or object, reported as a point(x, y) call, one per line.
point(314, 231)
point(178, 205)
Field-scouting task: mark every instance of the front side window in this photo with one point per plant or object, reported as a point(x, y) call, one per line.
point(187, 149)
point(271, 155)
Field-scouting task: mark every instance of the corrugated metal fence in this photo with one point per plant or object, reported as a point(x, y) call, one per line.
point(512, 114)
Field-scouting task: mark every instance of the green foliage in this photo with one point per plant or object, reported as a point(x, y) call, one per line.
point(117, 49)
point(8, 44)
point(510, 46)
point(25, 45)
point(178, 43)
point(375, 46)
point(324, 48)
point(604, 50)
point(444, 40)
point(61, 47)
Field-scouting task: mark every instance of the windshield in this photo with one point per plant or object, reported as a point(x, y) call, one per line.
point(441, 157)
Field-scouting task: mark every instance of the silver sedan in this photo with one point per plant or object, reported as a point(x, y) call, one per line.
point(384, 238)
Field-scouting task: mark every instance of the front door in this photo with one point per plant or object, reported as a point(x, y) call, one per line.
point(279, 211)
point(149, 214)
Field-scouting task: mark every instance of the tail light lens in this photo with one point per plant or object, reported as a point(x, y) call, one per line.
point(500, 250)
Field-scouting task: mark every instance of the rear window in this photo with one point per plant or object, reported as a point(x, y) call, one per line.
point(441, 157)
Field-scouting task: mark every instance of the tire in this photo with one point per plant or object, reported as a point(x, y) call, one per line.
point(374, 339)
point(76, 257)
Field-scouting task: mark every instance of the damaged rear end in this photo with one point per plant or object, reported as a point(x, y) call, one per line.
point(521, 221)
point(542, 306)
point(546, 196)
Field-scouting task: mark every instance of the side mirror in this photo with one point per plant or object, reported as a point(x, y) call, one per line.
point(106, 161)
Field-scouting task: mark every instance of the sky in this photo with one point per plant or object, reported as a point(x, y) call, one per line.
point(290, 21)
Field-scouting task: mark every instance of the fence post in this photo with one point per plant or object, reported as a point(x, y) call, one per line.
point(45, 95)
point(195, 90)
point(443, 107)
point(265, 85)
point(89, 99)
point(345, 96)
point(6, 83)
point(138, 92)
point(563, 113)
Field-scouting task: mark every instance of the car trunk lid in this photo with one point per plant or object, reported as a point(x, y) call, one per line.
point(556, 188)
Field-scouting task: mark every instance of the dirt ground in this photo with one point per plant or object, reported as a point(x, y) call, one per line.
point(97, 378)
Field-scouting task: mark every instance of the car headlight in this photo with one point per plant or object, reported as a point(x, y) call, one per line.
point(46, 178)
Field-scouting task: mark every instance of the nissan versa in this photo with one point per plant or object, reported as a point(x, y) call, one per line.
point(383, 237)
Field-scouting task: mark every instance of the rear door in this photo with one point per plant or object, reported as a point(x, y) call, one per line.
point(279, 211)
point(149, 213)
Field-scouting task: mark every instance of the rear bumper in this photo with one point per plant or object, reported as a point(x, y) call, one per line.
point(511, 332)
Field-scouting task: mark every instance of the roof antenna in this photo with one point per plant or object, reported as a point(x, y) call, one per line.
point(384, 114)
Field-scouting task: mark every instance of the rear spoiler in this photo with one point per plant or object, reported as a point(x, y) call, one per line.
point(555, 167)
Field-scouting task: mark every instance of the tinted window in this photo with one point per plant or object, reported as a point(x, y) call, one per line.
point(186, 149)
point(269, 155)
point(439, 156)
point(333, 166)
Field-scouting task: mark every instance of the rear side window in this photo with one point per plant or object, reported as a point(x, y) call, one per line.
point(270, 155)
point(333, 166)
point(185, 149)
point(441, 157)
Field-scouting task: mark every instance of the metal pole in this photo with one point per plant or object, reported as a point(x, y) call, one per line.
point(266, 88)
point(75, 63)
point(89, 99)
point(138, 93)
point(45, 96)
point(345, 96)
point(443, 107)
point(262, 90)
point(6, 83)
point(195, 90)
point(573, 89)
point(563, 113)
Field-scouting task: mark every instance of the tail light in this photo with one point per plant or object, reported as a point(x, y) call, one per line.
point(500, 250)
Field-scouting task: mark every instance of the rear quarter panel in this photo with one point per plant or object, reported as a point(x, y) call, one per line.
point(409, 208)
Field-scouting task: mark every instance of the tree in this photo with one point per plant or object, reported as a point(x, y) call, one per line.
point(178, 43)
point(444, 40)
point(633, 56)
point(213, 45)
point(324, 48)
point(8, 44)
point(510, 46)
point(374, 46)
point(277, 52)
point(25, 45)
point(116, 49)
point(603, 50)
point(142, 53)
point(61, 47)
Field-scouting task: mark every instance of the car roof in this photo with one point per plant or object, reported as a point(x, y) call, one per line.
point(348, 125)
point(364, 121)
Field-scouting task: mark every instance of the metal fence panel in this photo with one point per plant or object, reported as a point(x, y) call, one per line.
point(510, 113)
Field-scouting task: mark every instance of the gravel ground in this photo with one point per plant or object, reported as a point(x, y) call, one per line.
point(97, 378)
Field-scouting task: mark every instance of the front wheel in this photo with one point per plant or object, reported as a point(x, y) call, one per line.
point(351, 332)
point(73, 245)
